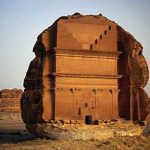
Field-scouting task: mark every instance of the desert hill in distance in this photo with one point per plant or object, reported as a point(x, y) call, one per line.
point(10, 99)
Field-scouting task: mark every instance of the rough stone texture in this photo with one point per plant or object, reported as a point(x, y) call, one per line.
point(10, 99)
point(102, 131)
point(86, 69)
point(13, 93)
point(133, 67)
point(146, 131)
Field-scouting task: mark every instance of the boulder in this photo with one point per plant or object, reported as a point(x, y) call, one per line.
point(99, 38)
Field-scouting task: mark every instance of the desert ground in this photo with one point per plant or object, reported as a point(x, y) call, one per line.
point(13, 135)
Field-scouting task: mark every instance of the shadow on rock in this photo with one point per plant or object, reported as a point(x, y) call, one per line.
point(15, 137)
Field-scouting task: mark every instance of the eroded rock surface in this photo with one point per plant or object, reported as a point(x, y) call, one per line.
point(110, 67)
point(10, 99)
point(100, 132)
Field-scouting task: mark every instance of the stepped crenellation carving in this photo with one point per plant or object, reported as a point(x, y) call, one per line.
point(97, 42)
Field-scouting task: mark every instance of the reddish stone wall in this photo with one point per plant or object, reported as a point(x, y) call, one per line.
point(132, 65)
point(77, 104)
point(88, 65)
point(86, 35)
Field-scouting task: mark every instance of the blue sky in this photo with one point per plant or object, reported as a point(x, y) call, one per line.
point(22, 20)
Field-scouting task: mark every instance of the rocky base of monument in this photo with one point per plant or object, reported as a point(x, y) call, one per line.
point(105, 130)
point(146, 131)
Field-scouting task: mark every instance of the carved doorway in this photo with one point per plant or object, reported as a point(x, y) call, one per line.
point(88, 120)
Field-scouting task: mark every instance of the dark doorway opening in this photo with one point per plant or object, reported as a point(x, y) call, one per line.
point(88, 120)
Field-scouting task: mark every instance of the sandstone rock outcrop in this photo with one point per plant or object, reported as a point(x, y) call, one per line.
point(86, 68)
point(10, 99)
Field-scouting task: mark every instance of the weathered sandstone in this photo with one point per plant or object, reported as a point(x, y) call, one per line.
point(10, 99)
point(86, 69)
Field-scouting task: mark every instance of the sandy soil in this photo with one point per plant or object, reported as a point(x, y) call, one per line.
point(13, 135)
